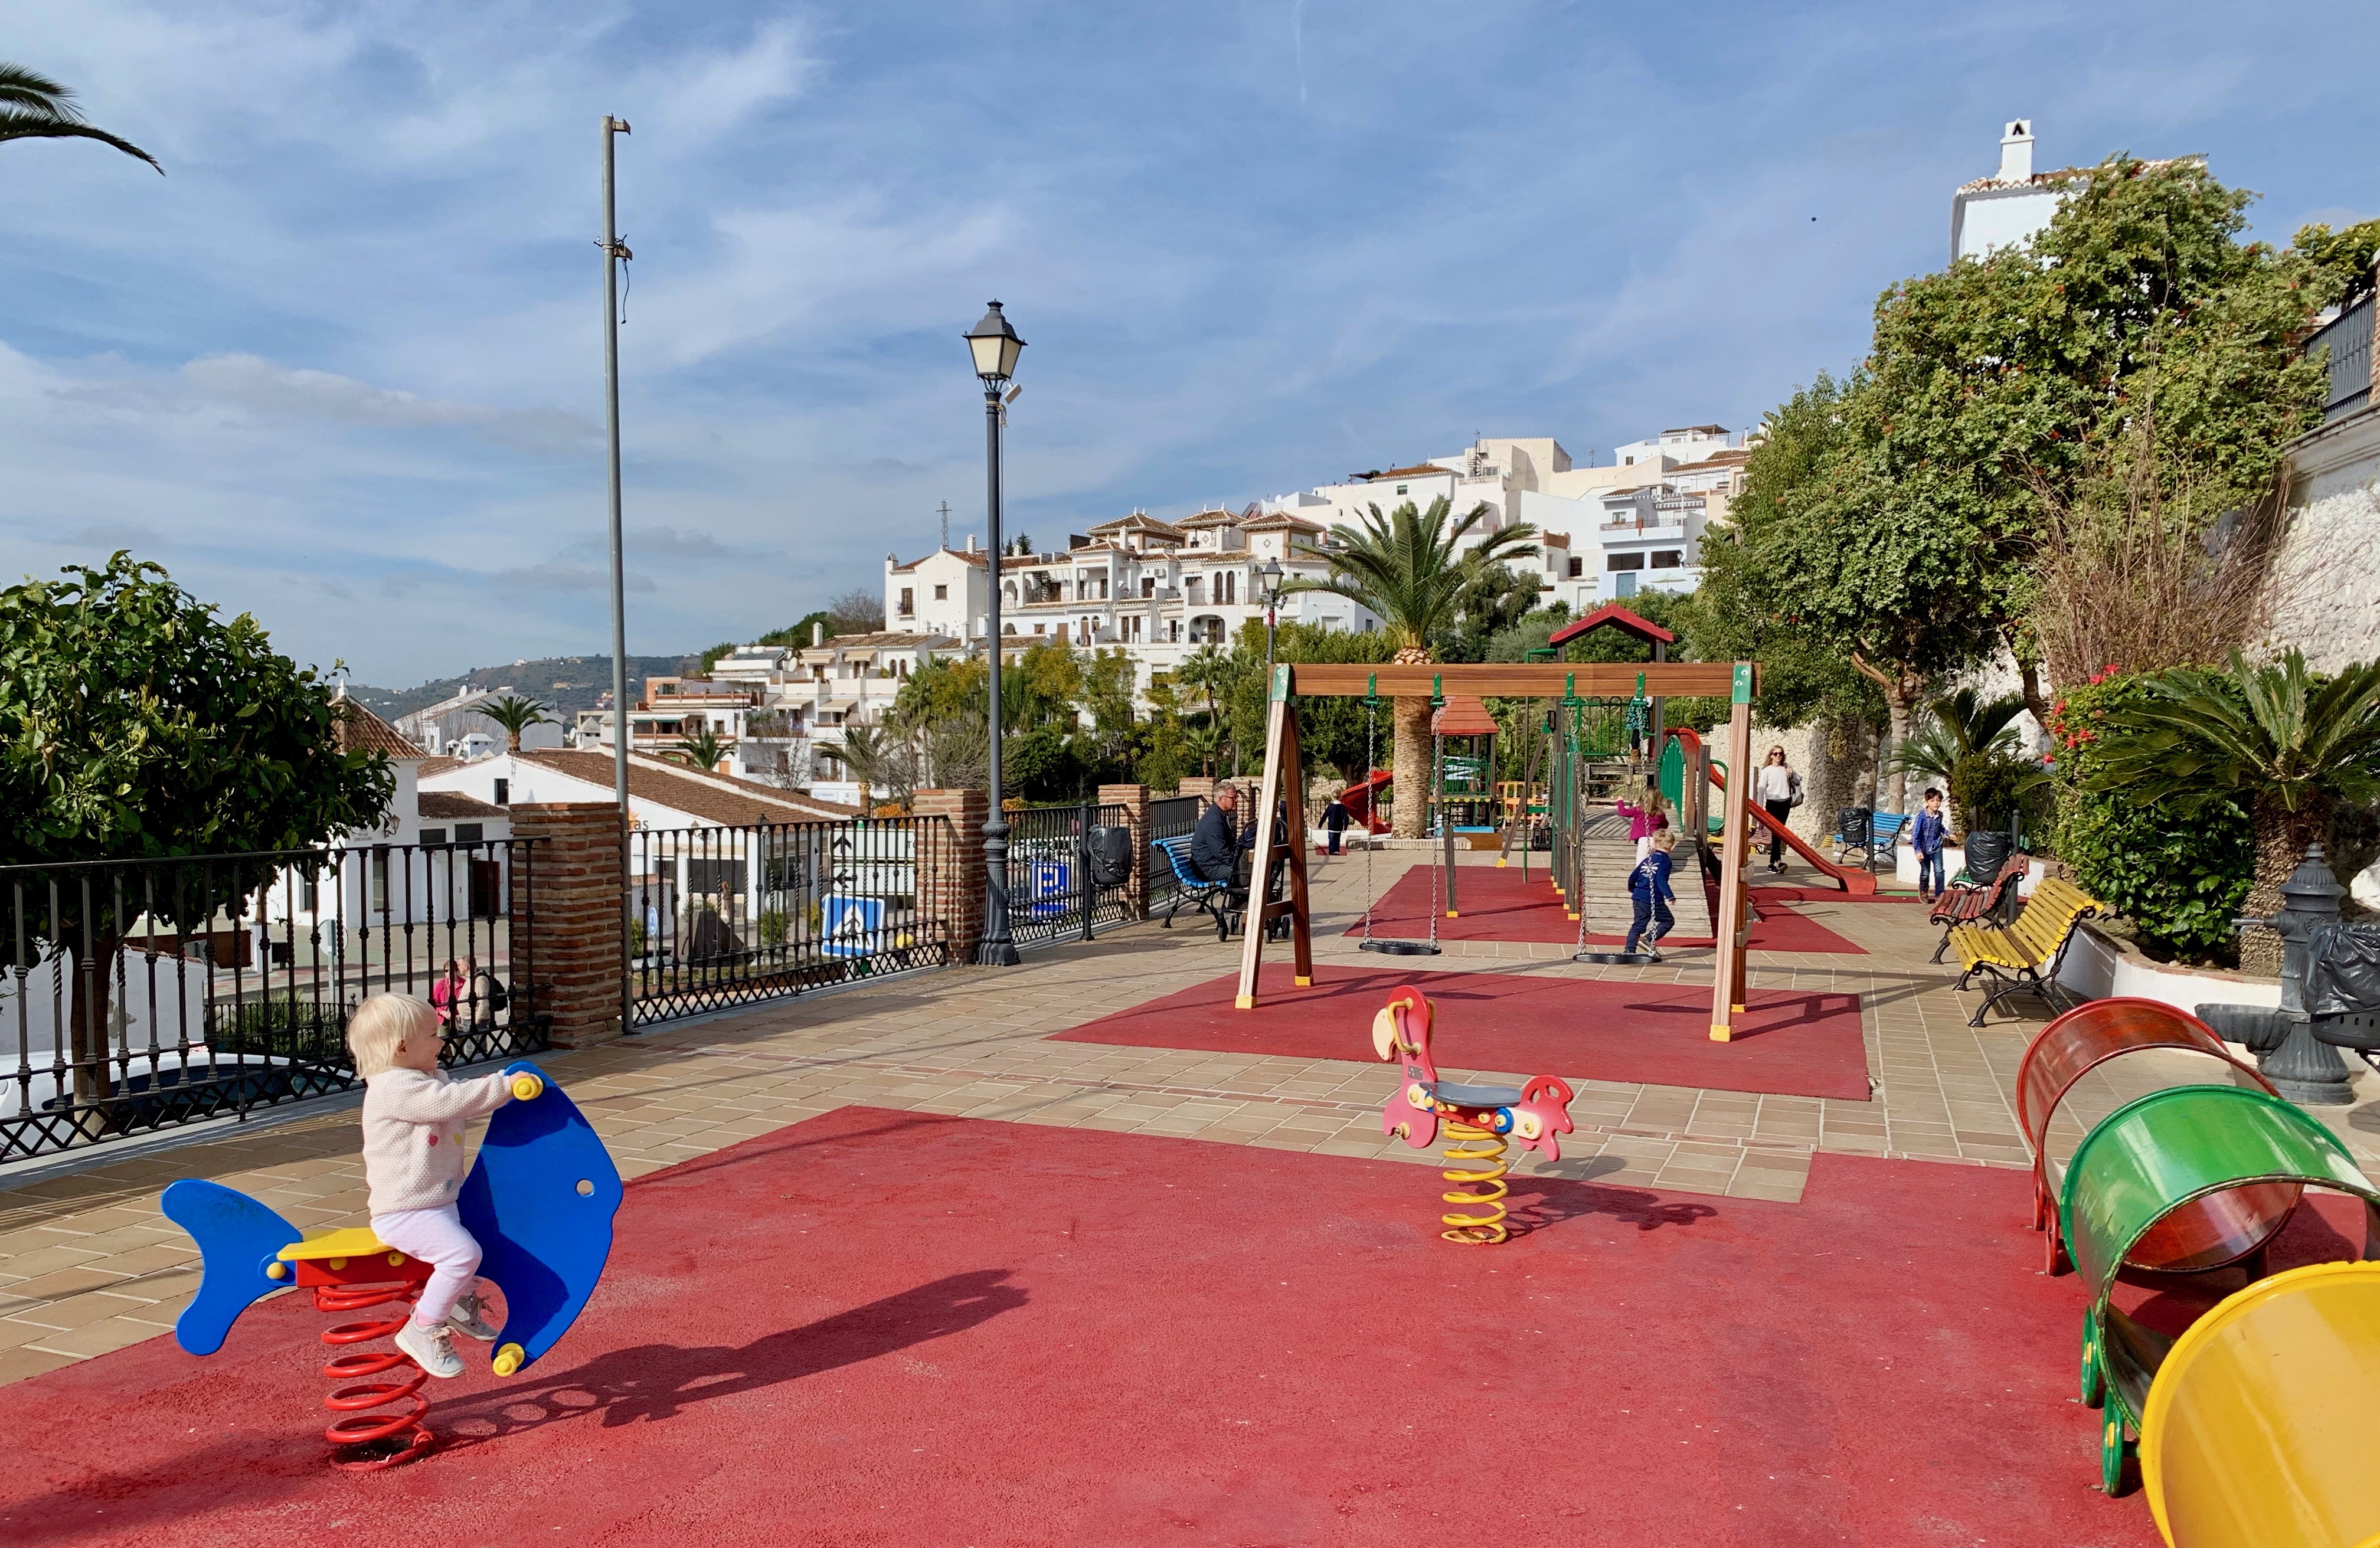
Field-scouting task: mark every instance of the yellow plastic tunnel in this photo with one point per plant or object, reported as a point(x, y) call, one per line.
point(2258, 1430)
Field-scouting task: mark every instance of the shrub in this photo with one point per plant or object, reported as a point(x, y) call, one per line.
point(1990, 786)
point(772, 923)
point(2181, 880)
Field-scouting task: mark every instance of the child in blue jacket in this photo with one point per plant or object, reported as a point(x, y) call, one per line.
point(1648, 887)
point(1925, 840)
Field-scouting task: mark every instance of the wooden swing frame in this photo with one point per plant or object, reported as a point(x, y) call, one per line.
point(1280, 804)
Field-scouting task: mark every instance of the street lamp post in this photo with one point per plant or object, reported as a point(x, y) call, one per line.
point(995, 347)
point(1271, 573)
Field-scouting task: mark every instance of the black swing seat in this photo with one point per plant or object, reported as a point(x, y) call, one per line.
point(1400, 948)
point(1617, 959)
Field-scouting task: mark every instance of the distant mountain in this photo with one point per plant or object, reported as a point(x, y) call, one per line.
point(570, 683)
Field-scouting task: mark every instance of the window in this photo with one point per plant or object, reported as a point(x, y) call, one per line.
point(908, 599)
point(433, 835)
point(941, 594)
point(504, 793)
point(1577, 566)
point(1037, 628)
point(1668, 559)
point(310, 892)
point(1228, 589)
point(1401, 489)
point(380, 881)
point(1149, 585)
point(1174, 632)
point(1616, 561)
point(469, 832)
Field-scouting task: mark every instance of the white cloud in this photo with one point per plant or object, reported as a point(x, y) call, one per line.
point(266, 387)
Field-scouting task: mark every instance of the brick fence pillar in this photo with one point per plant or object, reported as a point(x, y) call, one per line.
point(1134, 799)
point(569, 890)
point(950, 864)
point(1195, 784)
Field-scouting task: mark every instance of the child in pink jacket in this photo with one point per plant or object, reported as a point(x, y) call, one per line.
point(1645, 821)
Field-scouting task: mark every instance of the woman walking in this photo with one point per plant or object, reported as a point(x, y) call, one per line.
point(1779, 790)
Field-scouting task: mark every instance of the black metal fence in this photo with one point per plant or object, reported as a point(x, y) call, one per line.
point(2349, 339)
point(139, 995)
point(1174, 816)
point(1052, 894)
point(725, 917)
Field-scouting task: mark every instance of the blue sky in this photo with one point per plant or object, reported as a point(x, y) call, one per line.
point(342, 367)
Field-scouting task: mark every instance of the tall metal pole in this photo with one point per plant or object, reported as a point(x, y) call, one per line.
point(612, 253)
point(997, 948)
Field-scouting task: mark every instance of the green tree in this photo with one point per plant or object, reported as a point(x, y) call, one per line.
point(1409, 570)
point(2287, 746)
point(32, 106)
point(516, 714)
point(1204, 671)
point(136, 724)
point(2343, 261)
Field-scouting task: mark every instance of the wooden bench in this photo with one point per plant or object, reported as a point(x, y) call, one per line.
point(1965, 903)
point(2024, 956)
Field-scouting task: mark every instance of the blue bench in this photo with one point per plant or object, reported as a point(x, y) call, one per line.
point(1212, 899)
point(1850, 833)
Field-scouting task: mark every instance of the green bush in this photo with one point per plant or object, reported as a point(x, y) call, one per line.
point(1987, 788)
point(2179, 880)
point(773, 927)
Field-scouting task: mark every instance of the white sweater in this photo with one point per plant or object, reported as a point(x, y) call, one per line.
point(414, 1123)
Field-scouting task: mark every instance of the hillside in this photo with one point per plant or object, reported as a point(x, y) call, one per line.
point(567, 682)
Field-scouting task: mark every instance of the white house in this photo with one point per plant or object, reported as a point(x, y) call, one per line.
point(2009, 206)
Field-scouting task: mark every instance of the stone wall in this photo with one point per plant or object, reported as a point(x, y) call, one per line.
point(568, 896)
point(2326, 585)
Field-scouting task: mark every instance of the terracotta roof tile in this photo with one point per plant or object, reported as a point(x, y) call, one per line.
point(355, 729)
point(714, 797)
point(448, 806)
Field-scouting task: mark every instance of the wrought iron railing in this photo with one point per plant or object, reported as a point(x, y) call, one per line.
point(139, 995)
point(1052, 894)
point(2349, 339)
point(1174, 816)
point(726, 916)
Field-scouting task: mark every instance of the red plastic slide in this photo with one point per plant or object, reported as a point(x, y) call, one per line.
point(1359, 800)
point(1857, 883)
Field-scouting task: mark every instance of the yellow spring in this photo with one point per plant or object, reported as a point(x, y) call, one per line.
point(1485, 1198)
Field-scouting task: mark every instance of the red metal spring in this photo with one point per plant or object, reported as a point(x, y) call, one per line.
point(362, 1441)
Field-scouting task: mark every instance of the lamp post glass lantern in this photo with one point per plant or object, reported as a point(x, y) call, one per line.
point(995, 347)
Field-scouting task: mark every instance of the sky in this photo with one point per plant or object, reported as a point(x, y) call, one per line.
point(341, 365)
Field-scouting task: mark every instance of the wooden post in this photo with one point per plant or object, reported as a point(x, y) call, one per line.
point(1285, 787)
point(1727, 985)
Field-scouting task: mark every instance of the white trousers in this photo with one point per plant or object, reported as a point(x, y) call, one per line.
point(1644, 848)
point(438, 1238)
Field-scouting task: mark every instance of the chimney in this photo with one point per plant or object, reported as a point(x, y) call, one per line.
point(2016, 151)
point(817, 636)
point(970, 542)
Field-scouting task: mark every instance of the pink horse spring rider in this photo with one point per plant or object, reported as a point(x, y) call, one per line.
point(1478, 1119)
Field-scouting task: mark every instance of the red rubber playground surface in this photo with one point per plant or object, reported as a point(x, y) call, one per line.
point(1790, 1043)
point(1498, 905)
point(888, 1329)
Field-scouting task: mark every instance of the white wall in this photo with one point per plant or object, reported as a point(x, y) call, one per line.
point(2328, 581)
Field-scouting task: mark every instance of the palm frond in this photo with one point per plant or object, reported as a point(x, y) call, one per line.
point(18, 124)
point(25, 87)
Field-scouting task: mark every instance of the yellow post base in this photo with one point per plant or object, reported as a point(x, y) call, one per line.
point(1451, 914)
point(1572, 917)
point(1302, 983)
point(1244, 1002)
point(1721, 1033)
point(1499, 862)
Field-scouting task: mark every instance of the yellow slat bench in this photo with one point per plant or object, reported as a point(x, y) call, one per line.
point(2022, 956)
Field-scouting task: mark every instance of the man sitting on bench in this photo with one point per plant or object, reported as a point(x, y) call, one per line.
point(1216, 842)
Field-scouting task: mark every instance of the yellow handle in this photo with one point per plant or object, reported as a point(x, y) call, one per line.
point(508, 1360)
point(528, 1087)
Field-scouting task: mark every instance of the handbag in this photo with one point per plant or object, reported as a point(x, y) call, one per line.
point(1800, 794)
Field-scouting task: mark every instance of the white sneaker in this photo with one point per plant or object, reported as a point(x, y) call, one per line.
point(432, 1349)
point(465, 1319)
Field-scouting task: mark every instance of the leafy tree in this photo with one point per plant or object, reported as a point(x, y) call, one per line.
point(1409, 570)
point(136, 724)
point(1960, 724)
point(1204, 671)
point(857, 611)
point(1903, 523)
point(516, 714)
point(2273, 739)
point(32, 106)
point(1205, 742)
point(2342, 259)
point(701, 750)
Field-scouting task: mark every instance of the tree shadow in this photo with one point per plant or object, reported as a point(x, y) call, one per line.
point(652, 1383)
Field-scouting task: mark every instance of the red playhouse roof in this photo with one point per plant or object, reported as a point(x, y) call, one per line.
point(1461, 716)
point(1615, 616)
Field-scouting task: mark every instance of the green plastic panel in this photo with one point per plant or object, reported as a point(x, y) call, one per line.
point(1674, 773)
point(2168, 1147)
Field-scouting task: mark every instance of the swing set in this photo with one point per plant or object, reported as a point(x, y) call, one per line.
point(1280, 805)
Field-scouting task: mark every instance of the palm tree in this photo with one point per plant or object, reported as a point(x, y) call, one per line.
point(32, 106)
point(1960, 726)
point(1207, 669)
point(1205, 744)
point(2272, 738)
point(1409, 569)
point(703, 749)
point(516, 714)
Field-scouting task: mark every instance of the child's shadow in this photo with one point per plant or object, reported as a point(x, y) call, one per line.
point(653, 1380)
